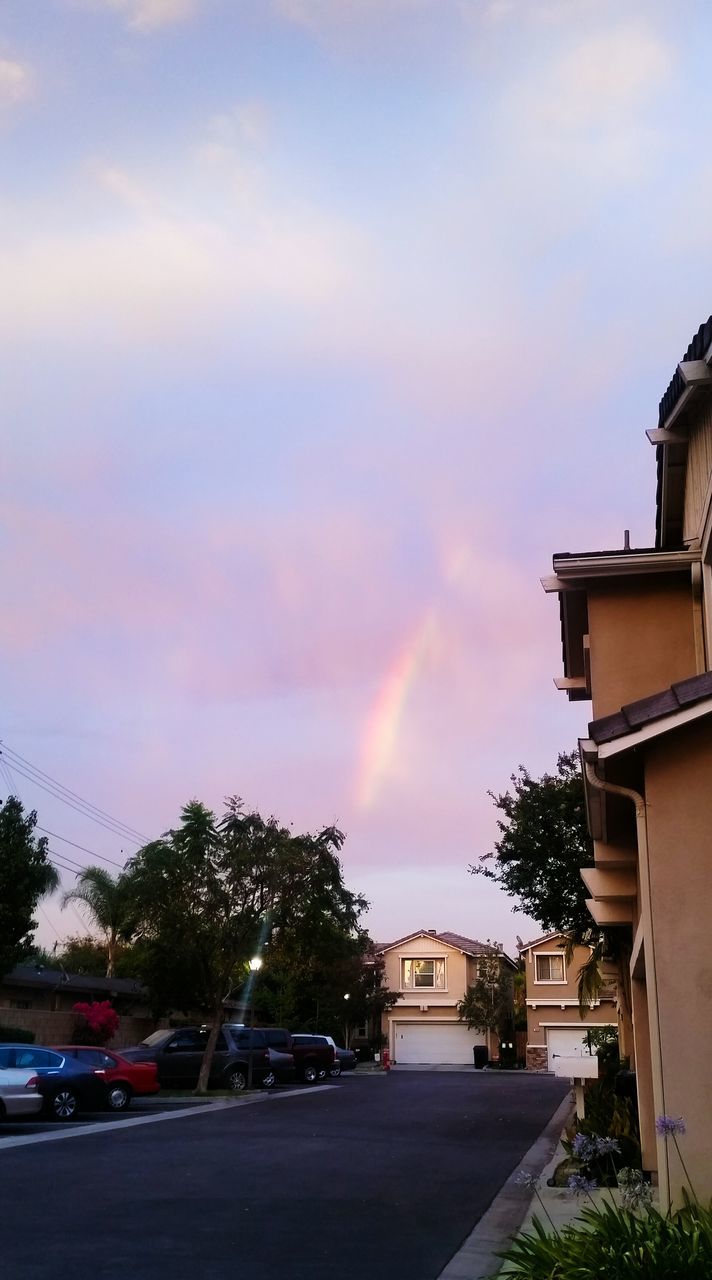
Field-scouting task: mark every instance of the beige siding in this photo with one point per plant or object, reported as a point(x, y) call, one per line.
point(697, 476)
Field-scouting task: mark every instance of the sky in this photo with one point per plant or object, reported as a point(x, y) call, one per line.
point(324, 324)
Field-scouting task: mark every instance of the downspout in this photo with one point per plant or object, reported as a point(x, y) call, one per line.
point(612, 788)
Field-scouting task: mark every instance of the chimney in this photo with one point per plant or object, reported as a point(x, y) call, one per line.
point(433, 931)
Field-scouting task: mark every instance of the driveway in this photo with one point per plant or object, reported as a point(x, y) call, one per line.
point(368, 1178)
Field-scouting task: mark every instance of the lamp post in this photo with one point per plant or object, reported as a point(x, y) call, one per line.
point(255, 966)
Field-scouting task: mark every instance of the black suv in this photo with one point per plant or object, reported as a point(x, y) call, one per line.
point(179, 1053)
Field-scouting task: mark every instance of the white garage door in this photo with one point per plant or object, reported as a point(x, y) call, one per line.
point(432, 1043)
point(566, 1042)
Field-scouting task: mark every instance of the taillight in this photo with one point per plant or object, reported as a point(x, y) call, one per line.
point(33, 1082)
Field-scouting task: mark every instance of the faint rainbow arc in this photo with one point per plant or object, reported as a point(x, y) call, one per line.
point(386, 714)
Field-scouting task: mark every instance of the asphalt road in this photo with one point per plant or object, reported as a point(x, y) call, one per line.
point(370, 1178)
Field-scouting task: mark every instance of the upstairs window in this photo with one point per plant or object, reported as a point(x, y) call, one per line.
point(419, 974)
point(549, 968)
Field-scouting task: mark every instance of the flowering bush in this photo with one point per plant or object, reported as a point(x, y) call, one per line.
point(96, 1023)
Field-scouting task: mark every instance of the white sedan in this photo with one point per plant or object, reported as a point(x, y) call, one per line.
point(19, 1095)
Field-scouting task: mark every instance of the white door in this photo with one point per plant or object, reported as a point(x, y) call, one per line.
point(566, 1042)
point(433, 1043)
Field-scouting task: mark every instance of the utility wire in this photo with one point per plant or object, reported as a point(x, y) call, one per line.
point(57, 795)
point(86, 804)
point(80, 846)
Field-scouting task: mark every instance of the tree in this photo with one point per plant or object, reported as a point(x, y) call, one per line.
point(26, 876)
point(208, 894)
point(543, 844)
point(89, 955)
point(108, 901)
point(488, 1004)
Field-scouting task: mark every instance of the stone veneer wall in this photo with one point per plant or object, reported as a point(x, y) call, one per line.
point(537, 1058)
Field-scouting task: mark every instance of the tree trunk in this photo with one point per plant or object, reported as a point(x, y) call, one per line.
point(206, 1064)
point(110, 953)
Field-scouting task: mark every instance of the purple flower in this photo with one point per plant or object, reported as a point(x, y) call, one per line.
point(580, 1185)
point(583, 1148)
point(524, 1179)
point(607, 1146)
point(665, 1125)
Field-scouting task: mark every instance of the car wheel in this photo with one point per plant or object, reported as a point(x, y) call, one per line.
point(119, 1097)
point(310, 1074)
point(64, 1105)
point(335, 1070)
point(269, 1081)
point(236, 1080)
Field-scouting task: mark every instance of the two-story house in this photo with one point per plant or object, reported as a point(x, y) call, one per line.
point(555, 1026)
point(637, 643)
point(431, 971)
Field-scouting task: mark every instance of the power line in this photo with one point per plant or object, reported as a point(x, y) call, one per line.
point(87, 804)
point(57, 795)
point(80, 846)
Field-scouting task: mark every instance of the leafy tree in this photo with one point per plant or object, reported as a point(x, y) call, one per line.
point(542, 846)
point(89, 955)
point(108, 902)
point(488, 1004)
point(544, 842)
point(208, 894)
point(26, 875)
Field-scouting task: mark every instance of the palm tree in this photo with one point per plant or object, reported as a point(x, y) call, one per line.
point(108, 902)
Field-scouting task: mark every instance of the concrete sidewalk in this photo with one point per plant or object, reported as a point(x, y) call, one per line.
point(478, 1259)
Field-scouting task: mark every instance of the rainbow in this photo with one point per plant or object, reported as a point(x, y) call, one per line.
point(386, 714)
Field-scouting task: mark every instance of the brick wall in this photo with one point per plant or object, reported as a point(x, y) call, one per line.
point(58, 1028)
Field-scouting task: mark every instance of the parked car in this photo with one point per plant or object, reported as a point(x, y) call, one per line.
point(19, 1095)
point(313, 1055)
point(346, 1059)
point(65, 1085)
point(178, 1055)
point(124, 1079)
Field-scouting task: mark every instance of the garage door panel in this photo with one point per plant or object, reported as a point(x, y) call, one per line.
point(435, 1043)
point(566, 1042)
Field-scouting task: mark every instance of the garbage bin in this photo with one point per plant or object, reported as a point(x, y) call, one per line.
point(480, 1055)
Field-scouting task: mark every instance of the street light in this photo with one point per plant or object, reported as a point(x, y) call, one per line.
point(347, 997)
point(255, 966)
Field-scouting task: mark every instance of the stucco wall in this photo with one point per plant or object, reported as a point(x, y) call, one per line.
point(678, 774)
point(58, 1028)
point(642, 639)
point(457, 974)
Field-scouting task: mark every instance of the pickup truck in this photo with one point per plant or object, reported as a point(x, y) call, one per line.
point(313, 1055)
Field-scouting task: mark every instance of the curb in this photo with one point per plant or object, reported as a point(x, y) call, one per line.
point(478, 1259)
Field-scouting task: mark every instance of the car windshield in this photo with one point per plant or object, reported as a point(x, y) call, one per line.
point(157, 1037)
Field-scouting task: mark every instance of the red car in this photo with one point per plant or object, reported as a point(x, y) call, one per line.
point(123, 1078)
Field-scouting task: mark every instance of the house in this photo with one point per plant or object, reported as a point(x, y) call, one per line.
point(431, 971)
point(637, 643)
point(37, 999)
point(555, 1027)
point(31, 986)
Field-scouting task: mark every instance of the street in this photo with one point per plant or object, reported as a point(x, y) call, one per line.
point(372, 1176)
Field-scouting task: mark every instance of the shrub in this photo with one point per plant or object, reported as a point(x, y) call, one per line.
point(96, 1022)
point(617, 1244)
point(16, 1035)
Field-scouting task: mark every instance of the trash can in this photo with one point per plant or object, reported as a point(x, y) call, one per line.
point(480, 1055)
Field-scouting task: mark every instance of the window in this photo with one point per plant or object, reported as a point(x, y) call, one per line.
point(416, 974)
point(37, 1058)
point(549, 968)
